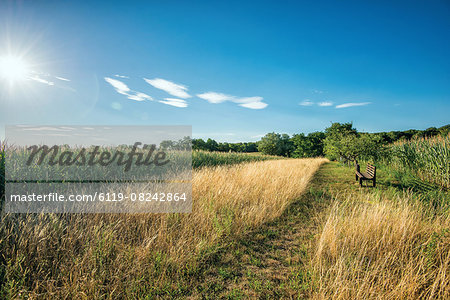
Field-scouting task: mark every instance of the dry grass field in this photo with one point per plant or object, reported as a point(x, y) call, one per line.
point(289, 228)
point(107, 256)
point(376, 246)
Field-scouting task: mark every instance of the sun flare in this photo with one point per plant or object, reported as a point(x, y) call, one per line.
point(13, 68)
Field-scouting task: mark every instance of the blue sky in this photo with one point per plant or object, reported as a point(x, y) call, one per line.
point(233, 70)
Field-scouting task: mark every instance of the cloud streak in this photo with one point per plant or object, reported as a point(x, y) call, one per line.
point(352, 104)
point(306, 103)
point(325, 103)
point(247, 102)
point(41, 80)
point(169, 87)
point(62, 78)
point(174, 102)
point(254, 105)
point(213, 97)
point(123, 89)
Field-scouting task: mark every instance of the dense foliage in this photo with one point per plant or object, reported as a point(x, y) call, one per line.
point(212, 145)
point(340, 141)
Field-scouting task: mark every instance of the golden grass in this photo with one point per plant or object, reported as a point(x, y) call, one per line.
point(375, 247)
point(129, 256)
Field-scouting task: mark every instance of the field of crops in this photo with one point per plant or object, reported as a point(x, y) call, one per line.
point(199, 159)
point(206, 158)
point(427, 158)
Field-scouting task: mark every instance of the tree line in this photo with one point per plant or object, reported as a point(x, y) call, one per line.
point(339, 141)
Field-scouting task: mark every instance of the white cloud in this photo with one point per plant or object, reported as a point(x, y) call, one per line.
point(62, 78)
point(213, 97)
point(138, 96)
point(325, 103)
point(46, 78)
point(123, 89)
point(121, 76)
point(41, 80)
point(247, 102)
point(169, 87)
point(254, 105)
point(120, 87)
point(174, 102)
point(306, 103)
point(352, 104)
point(317, 91)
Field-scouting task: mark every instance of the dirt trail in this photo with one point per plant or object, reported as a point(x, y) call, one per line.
point(270, 262)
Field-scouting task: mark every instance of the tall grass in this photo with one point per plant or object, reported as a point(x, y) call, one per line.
point(111, 256)
point(428, 158)
point(208, 159)
point(373, 246)
point(200, 159)
point(2, 172)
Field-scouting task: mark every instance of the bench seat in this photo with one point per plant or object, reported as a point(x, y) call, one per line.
point(369, 175)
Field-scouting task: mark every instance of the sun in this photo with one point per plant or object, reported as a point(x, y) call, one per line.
point(13, 68)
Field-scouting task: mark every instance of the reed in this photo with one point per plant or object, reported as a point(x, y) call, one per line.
point(427, 158)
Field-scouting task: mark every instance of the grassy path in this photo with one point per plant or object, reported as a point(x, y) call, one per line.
point(270, 262)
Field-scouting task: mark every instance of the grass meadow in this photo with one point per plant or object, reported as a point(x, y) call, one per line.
point(392, 242)
point(145, 255)
point(260, 227)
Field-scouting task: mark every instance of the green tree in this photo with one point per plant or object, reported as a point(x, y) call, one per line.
point(271, 144)
point(339, 141)
point(276, 144)
point(308, 146)
point(343, 142)
point(287, 145)
point(212, 145)
point(199, 144)
point(166, 145)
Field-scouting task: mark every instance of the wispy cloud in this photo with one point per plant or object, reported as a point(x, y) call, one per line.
point(121, 76)
point(213, 97)
point(169, 87)
point(46, 78)
point(254, 105)
point(352, 104)
point(247, 102)
point(41, 80)
point(306, 103)
point(138, 96)
point(174, 102)
point(325, 103)
point(317, 91)
point(62, 78)
point(123, 89)
point(120, 87)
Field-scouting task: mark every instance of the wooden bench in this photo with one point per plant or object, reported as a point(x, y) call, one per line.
point(370, 174)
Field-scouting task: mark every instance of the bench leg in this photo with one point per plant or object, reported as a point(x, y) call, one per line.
point(360, 181)
point(374, 182)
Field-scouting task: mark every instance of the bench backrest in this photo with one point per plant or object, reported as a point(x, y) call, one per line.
point(371, 170)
